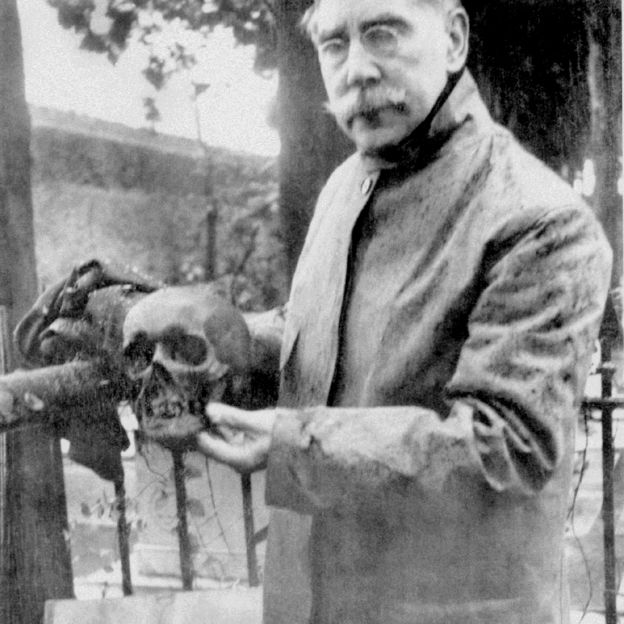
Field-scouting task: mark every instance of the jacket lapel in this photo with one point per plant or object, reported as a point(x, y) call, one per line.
point(318, 289)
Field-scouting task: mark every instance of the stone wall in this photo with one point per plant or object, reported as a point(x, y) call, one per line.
point(139, 198)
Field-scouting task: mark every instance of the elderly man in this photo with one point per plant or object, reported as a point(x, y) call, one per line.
point(435, 348)
point(437, 340)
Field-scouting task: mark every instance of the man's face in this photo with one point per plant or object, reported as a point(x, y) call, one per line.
point(384, 64)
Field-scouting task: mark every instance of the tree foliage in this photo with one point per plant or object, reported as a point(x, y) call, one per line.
point(172, 30)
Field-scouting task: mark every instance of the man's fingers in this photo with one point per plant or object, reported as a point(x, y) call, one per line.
point(243, 458)
point(218, 448)
point(244, 420)
point(226, 415)
point(228, 434)
point(238, 438)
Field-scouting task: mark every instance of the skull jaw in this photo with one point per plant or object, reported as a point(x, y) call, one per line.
point(175, 434)
point(170, 417)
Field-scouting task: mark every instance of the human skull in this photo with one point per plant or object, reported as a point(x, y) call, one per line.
point(182, 346)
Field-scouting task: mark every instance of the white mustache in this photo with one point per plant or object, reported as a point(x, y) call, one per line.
point(366, 103)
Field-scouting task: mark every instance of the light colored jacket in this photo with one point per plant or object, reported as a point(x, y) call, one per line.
point(421, 460)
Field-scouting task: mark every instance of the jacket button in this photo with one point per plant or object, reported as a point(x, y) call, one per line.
point(367, 185)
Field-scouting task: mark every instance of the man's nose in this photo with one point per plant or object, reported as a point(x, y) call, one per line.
point(361, 66)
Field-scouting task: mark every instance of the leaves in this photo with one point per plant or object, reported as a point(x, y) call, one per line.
point(172, 30)
point(195, 507)
point(161, 499)
point(33, 402)
point(151, 111)
point(200, 87)
point(194, 543)
point(123, 6)
point(192, 472)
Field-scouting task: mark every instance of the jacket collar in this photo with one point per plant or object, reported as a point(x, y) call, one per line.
point(459, 105)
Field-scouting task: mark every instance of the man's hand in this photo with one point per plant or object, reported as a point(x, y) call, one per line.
point(238, 438)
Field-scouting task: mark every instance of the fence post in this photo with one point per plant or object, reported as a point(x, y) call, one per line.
point(608, 511)
point(123, 537)
point(250, 536)
point(609, 334)
point(4, 368)
point(186, 565)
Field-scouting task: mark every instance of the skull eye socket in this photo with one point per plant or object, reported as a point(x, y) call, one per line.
point(138, 354)
point(186, 349)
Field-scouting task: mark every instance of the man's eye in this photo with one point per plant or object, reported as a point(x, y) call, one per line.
point(380, 40)
point(333, 48)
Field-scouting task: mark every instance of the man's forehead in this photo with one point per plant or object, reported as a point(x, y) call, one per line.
point(332, 14)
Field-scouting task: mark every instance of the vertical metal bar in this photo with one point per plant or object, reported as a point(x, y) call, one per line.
point(4, 368)
point(3, 480)
point(250, 542)
point(123, 537)
point(608, 511)
point(210, 269)
point(186, 565)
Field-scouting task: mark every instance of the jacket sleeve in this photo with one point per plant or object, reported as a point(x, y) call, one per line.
point(518, 382)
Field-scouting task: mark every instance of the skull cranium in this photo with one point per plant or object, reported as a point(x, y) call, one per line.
point(182, 345)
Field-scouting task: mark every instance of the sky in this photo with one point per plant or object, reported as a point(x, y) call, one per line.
point(233, 111)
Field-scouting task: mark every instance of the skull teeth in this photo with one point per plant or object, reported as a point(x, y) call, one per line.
point(168, 407)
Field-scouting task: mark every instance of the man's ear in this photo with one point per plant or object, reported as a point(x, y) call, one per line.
point(458, 28)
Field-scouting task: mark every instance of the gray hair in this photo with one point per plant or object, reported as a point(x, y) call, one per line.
point(308, 23)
